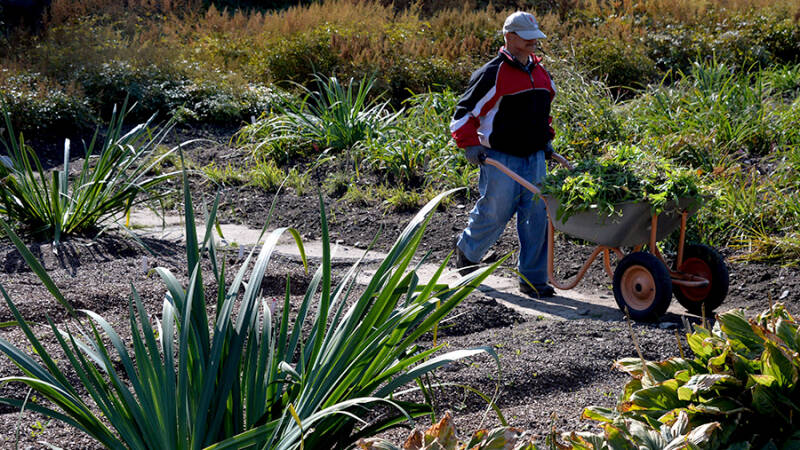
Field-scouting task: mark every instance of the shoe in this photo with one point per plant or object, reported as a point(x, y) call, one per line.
point(537, 291)
point(463, 265)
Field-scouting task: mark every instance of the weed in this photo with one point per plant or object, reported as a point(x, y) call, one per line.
point(396, 198)
point(225, 176)
point(38, 427)
point(299, 181)
point(266, 175)
point(361, 195)
point(337, 184)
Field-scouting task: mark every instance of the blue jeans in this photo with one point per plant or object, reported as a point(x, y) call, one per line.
point(501, 197)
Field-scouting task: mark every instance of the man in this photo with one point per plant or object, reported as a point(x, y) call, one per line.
point(505, 114)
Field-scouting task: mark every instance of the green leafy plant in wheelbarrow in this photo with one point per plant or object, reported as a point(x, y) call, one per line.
point(631, 199)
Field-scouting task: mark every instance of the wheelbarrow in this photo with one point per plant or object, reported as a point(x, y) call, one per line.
point(643, 281)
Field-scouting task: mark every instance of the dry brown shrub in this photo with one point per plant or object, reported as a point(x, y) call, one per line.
point(685, 11)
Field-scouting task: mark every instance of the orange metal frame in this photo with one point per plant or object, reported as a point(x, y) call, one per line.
point(678, 278)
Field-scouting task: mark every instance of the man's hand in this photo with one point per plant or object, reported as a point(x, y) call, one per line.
point(475, 154)
point(548, 150)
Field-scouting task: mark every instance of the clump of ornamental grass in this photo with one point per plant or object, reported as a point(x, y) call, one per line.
point(335, 116)
point(111, 180)
point(625, 173)
point(303, 376)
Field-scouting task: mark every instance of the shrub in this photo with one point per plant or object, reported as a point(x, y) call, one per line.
point(155, 87)
point(739, 391)
point(297, 58)
point(622, 64)
point(408, 75)
point(194, 95)
point(743, 40)
point(780, 35)
point(241, 379)
point(108, 183)
point(223, 101)
point(39, 107)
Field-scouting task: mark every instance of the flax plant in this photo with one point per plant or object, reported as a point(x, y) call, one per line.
point(109, 182)
point(335, 117)
point(256, 378)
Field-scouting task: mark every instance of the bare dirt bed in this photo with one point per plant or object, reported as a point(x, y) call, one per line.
point(549, 369)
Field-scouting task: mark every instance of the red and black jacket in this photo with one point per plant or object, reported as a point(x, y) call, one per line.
point(506, 107)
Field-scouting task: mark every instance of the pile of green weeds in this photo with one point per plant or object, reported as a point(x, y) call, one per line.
point(625, 173)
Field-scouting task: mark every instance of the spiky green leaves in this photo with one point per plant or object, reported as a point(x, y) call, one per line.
point(238, 379)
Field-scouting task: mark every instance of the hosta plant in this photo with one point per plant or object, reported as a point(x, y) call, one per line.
point(625, 173)
point(111, 180)
point(739, 391)
point(252, 375)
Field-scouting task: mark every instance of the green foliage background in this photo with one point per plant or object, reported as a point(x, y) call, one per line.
point(710, 86)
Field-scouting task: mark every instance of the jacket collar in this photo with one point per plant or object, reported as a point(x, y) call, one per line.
point(534, 60)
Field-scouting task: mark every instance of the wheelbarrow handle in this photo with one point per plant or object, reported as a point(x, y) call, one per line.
point(525, 183)
point(561, 160)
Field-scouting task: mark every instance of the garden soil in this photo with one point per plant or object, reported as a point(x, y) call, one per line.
point(548, 368)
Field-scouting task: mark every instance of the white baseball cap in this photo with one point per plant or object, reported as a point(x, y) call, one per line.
point(524, 25)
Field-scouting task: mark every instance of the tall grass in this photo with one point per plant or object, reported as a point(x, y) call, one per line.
point(732, 111)
point(585, 113)
point(736, 129)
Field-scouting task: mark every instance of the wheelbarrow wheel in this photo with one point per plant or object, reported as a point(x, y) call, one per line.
point(706, 262)
point(642, 285)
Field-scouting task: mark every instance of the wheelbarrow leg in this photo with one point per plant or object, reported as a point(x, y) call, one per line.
point(566, 285)
point(682, 238)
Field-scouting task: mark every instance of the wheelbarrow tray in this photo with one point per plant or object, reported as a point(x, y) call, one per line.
point(629, 228)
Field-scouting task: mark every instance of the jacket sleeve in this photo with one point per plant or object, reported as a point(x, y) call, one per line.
point(480, 92)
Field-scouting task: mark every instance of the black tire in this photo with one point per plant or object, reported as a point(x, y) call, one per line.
point(642, 285)
point(706, 262)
